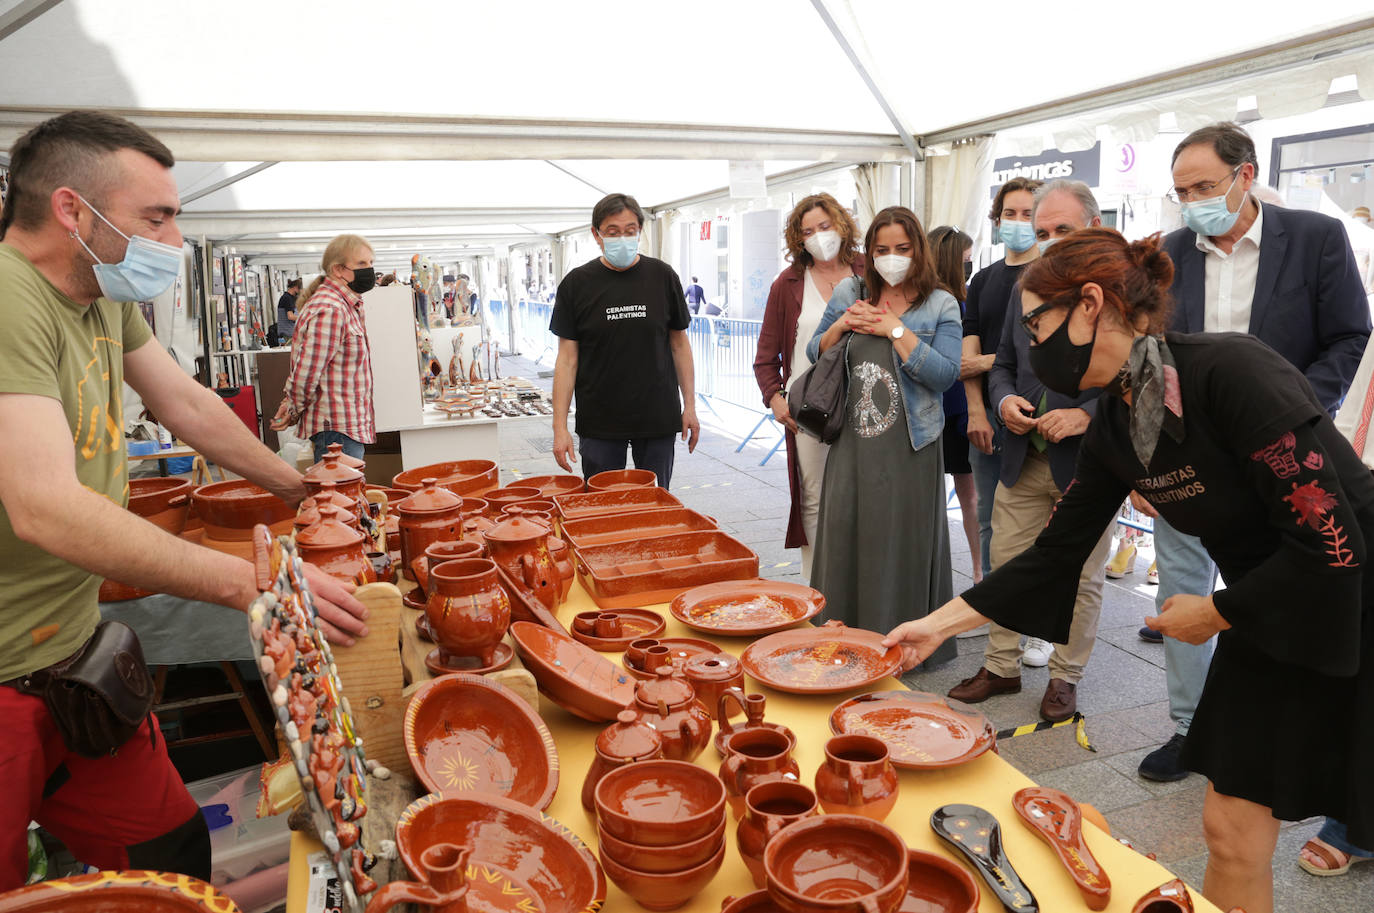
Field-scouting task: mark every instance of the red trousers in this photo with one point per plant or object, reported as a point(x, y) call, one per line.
point(99, 808)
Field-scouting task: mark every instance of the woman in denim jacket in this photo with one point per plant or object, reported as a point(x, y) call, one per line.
point(882, 550)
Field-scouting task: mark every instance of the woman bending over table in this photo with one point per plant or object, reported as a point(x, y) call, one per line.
point(1227, 441)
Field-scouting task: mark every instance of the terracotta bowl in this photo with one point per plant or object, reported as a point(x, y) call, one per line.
point(936, 882)
point(466, 733)
point(549, 486)
point(622, 478)
point(757, 902)
point(462, 477)
point(520, 858)
point(663, 890)
point(573, 675)
point(230, 510)
point(832, 863)
point(660, 803)
point(501, 498)
point(117, 892)
point(662, 859)
point(165, 503)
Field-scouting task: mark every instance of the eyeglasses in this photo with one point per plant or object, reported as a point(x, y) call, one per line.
point(1201, 191)
point(1031, 322)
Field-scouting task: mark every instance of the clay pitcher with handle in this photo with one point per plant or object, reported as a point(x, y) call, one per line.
point(444, 889)
point(669, 704)
point(856, 778)
point(752, 757)
point(521, 547)
point(768, 808)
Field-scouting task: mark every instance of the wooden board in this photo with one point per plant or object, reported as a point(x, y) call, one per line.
point(370, 672)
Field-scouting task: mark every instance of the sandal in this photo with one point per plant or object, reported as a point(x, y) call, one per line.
point(1329, 855)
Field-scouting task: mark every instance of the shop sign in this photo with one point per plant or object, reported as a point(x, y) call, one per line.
point(1082, 166)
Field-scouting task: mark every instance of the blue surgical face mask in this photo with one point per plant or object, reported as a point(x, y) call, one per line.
point(621, 252)
point(1017, 236)
point(148, 269)
point(1045, 244)
point(1212, 217)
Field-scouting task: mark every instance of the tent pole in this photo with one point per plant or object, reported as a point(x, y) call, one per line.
point(23, 13)
point(232, 179)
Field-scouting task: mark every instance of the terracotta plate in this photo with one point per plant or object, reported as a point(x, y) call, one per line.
point(521, 859)
point(465, 733)
point(746, 608)
point(634, 623)
point(922, 731)
point(680, 649)
point(824, 660)
point(573, 675)
point(134, 891)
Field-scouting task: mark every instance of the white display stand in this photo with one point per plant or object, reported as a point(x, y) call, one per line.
point(439, 438)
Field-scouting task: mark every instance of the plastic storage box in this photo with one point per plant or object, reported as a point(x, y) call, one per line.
point(240, 842)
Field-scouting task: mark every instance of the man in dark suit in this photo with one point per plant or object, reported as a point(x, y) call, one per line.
point(1039, 453)
point(1286, 276)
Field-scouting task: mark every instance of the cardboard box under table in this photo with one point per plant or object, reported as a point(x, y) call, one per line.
point(987, 781)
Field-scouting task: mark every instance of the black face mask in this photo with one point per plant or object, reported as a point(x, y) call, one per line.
point(968, 269)
point(1059, 363)
point(364, 279)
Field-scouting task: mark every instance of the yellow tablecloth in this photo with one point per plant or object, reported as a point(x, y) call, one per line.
point(987, 781)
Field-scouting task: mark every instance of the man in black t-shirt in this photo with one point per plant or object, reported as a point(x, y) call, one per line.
point(621, 321)
point(286, 311)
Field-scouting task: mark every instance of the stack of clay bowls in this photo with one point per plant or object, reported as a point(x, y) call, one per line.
point(661, 830)
point(165, 503)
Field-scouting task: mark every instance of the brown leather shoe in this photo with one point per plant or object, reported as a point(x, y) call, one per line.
point(983, 686)
point(1060, 701)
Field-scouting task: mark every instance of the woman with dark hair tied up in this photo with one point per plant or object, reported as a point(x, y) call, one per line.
point(1227, 440)
point(882, 551)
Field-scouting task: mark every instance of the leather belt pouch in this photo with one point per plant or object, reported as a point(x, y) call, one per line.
point(100, 695)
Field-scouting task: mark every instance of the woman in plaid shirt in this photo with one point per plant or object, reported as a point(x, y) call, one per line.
point(329, 390)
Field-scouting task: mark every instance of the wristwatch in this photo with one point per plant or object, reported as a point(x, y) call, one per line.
point(898, 332)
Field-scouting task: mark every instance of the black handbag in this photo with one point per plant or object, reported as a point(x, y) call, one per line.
point(98, 696)
point(817, 399)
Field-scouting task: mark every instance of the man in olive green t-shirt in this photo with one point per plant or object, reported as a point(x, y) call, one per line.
point(91, 217)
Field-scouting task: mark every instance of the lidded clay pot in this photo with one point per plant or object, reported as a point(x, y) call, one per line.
point(335, 548)
point(623, 742)
point(351, 462)
point(432, 514)
point(346, 479)
point(521, 547)
point(669, 704)
point(711, 674)
point(857, 777)
point(753, 757)
point(309, 513)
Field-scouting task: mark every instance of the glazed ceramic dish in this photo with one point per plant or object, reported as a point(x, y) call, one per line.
point(660, 803)
point(824, 660)
point(922, 730)
point(465, 734)
point(572, 675)
point(118, 892)
point(747, 608)
point(621, 500)
point(977, 836)
point(638, 524)
point(840, 863)
point(677, 650)
point(615, 479)
point(647, 571)
point(612, 632)
point(470, 478)
point(661, 891)
point(231, 509)
point(1056, 819)
point(553, 485)
point(938, 885)
point(520, 859)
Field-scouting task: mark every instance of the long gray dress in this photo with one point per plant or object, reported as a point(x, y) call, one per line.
point(882, 545)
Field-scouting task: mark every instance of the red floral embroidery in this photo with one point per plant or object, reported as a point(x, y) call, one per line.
point(1314, 461)
point(1279, 456)
point(1310, 502)
point(1335, 537)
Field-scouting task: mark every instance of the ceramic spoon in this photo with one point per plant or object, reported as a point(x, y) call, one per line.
point(1057, 819)
point(1170, 897)
point(975, 833)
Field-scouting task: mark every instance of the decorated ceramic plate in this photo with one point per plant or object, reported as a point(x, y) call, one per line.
point(824, 660)
point(922, 731)
point(746, 608)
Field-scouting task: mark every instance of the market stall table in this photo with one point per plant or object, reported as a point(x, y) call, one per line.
point(987, 781)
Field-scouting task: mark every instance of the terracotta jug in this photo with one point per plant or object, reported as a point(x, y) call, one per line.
point(336, 548)
point(346, 479)
point(468, 612)
point(328, 493)
point(752, 757)
point(753, 706)
point(521, 547)
point(669, 704)
point(856, 778)
point(768, 808)
point(711, 674)
point(432, 514)
point(445, 886)
point(625, 741)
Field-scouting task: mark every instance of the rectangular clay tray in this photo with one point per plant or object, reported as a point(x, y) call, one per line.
point(639, 524)
point(613, 501)
point(646, 571)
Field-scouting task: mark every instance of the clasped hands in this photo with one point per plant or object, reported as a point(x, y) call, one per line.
point(1018, 414)
point(865, 317)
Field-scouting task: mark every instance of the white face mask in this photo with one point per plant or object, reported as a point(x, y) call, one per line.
point(823, 245)
point(892, 267)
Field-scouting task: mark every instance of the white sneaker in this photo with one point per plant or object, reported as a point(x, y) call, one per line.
point(1037, 652)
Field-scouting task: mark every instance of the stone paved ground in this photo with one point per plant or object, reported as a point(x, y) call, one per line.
point(1122, 694)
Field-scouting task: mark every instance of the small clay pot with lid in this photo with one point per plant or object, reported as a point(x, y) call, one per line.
point(711, 674)
point(348, 480)
point(309, 513)
point(351, 462)
point(623, 742)
point(335, 548)
point(669, 704)
point(432, 514)
point(521, 547)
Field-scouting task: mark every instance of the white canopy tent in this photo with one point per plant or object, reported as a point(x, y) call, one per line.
point(468, 127)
